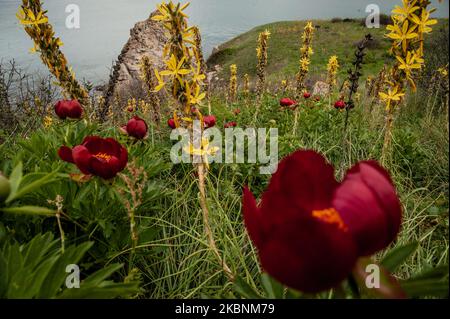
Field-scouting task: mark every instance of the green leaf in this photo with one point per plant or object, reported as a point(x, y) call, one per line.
point(396, 257)
point(438, 272)
point(29, 210)
point(102, 274)
point(272, 287)
point(56, 279)
point(244, 289)
point(426, 288)
point(49, 178)
point(14, 179)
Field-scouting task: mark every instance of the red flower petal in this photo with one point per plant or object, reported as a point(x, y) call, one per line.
point(74, 109)
point(123, 158)
point(137, 128)
point(308, 255)
point(82, 157)
point(65, 153)
point(252, 217)
point(60, 110)
point(306, 179)
point(369, 206)
point(106, 169)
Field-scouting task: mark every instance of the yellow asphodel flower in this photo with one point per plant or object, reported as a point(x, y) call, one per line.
point(27, 17)
point(391, 95)
point(443, 71)
point(193, 95)
point(161, 82)
point(204, 151)
point(410, 63)
point(175, 68)
point(309, 27)
point(424, 21)
point(402, 35)
point(197, 75)
point(407, 9)
point(266, 33)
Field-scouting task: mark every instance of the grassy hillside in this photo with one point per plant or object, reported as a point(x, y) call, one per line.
point(330, 38)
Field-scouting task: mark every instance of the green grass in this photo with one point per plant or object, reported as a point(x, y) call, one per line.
point(330, 38)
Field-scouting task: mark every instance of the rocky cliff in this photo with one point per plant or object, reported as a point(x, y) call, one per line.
point(146, 38)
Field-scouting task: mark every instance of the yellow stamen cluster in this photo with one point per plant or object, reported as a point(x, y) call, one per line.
point(35, 22)
point(183, 69)
point(330, 216)
point(305, 56)
point(232, 92)
point(332, 68)
point(261, 54)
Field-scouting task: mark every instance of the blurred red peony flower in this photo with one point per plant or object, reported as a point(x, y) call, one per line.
point(230, 124)
point(209, 121)
point(136, 127)
point(339, 105)
point(287, 102)
point(103, 157)
point(171, 123)
point(306, 95)
point(310, 230)
point(68, 109)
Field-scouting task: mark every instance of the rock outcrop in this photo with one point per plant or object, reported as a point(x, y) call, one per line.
point(146, 38)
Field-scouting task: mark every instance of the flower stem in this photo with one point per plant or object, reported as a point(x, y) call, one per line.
point(208, 231)
point(387, 137)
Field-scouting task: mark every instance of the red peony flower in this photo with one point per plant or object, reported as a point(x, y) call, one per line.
point(68, 109)
point(306, 95)
point(103, 157)
point(339, 105)
point(171, 123)
point(230, 124)
point(310, 230)
point(136, 127)
point(209, 121)
point(287, 102)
